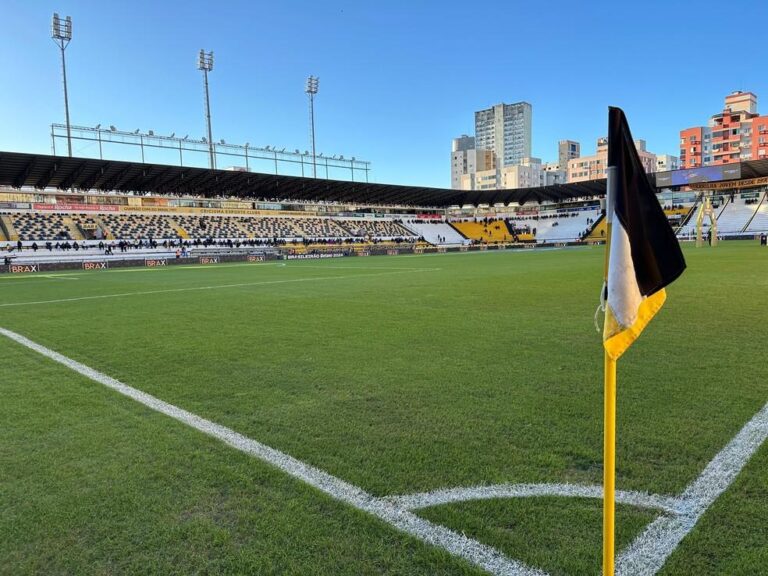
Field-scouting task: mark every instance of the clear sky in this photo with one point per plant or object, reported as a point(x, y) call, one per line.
point(398, 79)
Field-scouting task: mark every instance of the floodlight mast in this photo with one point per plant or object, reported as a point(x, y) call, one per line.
point(205, 63)
point(311, 90)
point(61, 33)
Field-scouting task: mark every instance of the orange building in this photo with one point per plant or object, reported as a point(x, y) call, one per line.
point(736, 134)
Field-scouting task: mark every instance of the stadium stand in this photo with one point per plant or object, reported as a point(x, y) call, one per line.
point(598, 231)
point(759, 222)
point(376, 228)
point(565, 227)
point(208, 226)
point(38, 226)
point(487, 231)
point(734, 216)
point(321, 228)
point(43, 226)
point(138, 226)
point(435, 231)
point(6, 226)
point(272, 227)
point(88, 226)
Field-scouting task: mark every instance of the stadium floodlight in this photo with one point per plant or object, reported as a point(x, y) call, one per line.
point(205, 63)
point(98, 126)
point(61, 32)
point(313, 83)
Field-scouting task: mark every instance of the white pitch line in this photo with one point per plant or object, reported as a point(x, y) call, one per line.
point(213, 287)
point(645, 556)
point(649, 551)
point(668, 504)
point(459, 545)
point(36, 280)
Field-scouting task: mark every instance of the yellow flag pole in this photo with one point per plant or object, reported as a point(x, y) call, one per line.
point(609, 407)
point(609, 465)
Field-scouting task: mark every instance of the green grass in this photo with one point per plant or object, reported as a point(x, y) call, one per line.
point(398, 374)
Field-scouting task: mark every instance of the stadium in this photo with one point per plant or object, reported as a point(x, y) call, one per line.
point(231, 371)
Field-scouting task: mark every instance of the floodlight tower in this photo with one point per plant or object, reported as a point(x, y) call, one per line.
point(61, 32)
point(311, 90)
point(205, 63)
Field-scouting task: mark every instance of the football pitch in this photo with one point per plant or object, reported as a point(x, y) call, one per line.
point(426, 414)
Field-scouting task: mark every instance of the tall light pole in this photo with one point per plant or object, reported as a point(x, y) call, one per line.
point(205, 63)
point(311, 90)
point(61, 32)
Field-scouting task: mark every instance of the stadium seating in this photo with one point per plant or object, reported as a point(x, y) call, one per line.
point(494, 231)
point(88, 225)
point(376, 228)
point(734, 216)
point(565, 227)
point(430, 230)
point(138, 226)
point(211, 226)
point(38, 226)
point(599, 230)
point(760, 221)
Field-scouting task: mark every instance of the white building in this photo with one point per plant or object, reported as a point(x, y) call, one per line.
point(463, 159)
point(594, 167)
point(666, 162)
point(530, 173)
point(505, 129)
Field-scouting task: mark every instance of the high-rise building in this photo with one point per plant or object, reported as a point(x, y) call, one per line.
point(505, 129)
point(736, 134)
point(593, 167)
point(567, 150)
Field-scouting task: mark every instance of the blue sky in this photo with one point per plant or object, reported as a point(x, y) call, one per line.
point(398, 79)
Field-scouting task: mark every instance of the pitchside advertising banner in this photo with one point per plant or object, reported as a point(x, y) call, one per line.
point(256, 258)
point(95, 265)
point(209, 259)
point(77, 207)
point(393, 252)
point(314, 256)
point(155, 262)
point(23, 268)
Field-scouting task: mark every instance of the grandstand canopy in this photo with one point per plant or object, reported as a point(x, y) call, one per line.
point(84, 174)
point(64, 173)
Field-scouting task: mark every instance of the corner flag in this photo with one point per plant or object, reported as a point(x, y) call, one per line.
point(642, 257)
point(644, 253)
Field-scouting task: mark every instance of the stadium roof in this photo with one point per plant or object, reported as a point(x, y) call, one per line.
point(44, 171)
point(64, 173)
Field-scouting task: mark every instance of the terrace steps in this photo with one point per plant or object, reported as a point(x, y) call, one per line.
point(6, 225)
point(106, 233)
point(74, 230)
point(178, 229)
